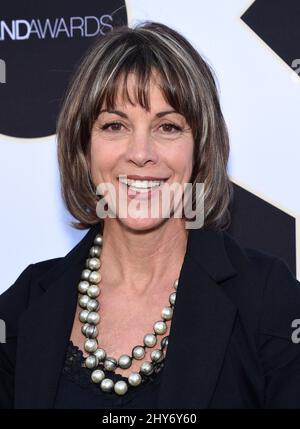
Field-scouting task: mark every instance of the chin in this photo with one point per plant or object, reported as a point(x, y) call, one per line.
point(141, 224)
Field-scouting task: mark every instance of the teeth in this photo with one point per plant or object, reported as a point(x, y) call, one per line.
point(140, 184)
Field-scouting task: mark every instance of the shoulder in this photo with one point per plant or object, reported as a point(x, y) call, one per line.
point(24, 280)
point(17, 297)
point(256, 263)
point(265, 290)
point(27, 287)
point(247, 258)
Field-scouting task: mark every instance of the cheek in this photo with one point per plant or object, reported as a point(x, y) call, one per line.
point(104, 160)
point(190, 157)
point(183, 160)
point(98, 162)
point(101, 156)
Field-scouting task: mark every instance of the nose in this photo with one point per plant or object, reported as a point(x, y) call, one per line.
point(141, 148)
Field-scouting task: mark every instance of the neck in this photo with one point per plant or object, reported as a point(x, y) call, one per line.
point(140, 260)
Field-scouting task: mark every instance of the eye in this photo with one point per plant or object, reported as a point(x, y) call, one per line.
point(112, 126)
point(170, 128)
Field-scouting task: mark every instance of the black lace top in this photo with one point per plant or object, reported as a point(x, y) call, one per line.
point(76, 390)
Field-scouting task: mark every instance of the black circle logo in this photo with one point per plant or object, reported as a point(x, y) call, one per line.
point(40, 45)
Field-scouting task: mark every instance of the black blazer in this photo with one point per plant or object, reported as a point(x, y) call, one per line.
point(230, 344)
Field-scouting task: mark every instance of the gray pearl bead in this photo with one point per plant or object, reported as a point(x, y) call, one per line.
point(94, 264)
point(90, 345)
point(167, 313)
point(150, 340)
point(101, 354)
point(172, 298)
point(134, 379)
point(93, 318)
point(84, 328)
point(83, 315)
point(164, 342)
point(92, 305)
point(160, 327)
point(83, 286)
point(124, 361)
point(87, 263)
point(107, 385)
point(156, 355)
point(94, 277)
point(110, 364)
point(91, 331)
point(91, 362)
point(85, 274)
point(147, 368)
point(97, 376)
point(93, 291)
point(95, 251)
point(176, 284)
point(121, 387)
point(138, 352)
point(83, 300)
point(98, 240)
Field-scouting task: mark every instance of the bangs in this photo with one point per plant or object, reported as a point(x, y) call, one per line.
point(147, 68)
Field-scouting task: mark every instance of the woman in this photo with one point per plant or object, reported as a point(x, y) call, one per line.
point(185, 318)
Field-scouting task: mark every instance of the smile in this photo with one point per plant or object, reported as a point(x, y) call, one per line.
point(141, 185)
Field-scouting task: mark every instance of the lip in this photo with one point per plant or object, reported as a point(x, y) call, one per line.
point(136, 177)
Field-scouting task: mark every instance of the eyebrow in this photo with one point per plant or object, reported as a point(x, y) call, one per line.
point(123, 115)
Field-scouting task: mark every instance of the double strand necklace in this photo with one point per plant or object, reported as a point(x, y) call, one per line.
point(97, 360)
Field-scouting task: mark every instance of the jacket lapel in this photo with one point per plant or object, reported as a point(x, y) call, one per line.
point(201, 326)
point(45, 329)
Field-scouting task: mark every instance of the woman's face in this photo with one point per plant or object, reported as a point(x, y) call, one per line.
point(149, 145)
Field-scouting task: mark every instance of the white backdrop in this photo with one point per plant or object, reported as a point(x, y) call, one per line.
point(260, 98)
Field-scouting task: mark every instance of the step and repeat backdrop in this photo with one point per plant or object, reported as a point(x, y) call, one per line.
point(253, 47)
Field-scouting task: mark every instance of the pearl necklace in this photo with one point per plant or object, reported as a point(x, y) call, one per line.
point(97, 360)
